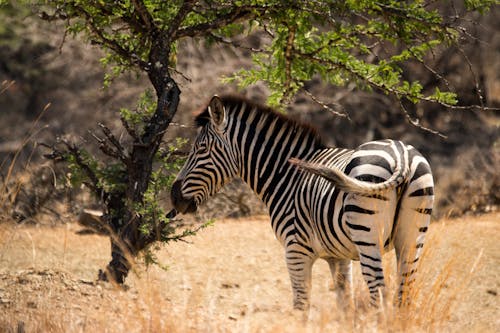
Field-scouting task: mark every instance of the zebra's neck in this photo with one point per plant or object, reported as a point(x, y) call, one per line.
point(264, 142)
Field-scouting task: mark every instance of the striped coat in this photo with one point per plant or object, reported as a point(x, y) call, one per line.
point(330, 203)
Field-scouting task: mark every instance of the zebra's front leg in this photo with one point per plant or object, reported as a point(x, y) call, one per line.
point(341, 271)
point(299, 262)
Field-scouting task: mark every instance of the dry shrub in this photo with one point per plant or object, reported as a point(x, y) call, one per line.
point(39, 194)
point(235, 200)
point(471, 185)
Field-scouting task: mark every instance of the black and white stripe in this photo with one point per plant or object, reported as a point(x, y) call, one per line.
point(345, 205)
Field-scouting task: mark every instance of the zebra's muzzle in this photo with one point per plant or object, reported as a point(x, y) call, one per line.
point(181, 203)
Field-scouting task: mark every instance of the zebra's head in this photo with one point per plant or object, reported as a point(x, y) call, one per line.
point(211, 163)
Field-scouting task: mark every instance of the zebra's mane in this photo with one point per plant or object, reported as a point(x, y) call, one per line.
point(234, 102)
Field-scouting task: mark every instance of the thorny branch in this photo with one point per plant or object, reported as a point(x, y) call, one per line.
point(474, 76)
point(332, 64)
point(6, 85)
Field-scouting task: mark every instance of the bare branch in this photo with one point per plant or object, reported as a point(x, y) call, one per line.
point(105, 147)
point(120, 150)
point(432, 70)
point(182, 125)
point(474, 76)
point(416, 122)
point(181, 74)
point(6, 85)
point(469, 107)
point(236, 44)
point(131, 131)
point(326, 106)
point(172, 156)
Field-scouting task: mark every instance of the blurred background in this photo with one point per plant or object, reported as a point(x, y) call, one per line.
point(52, 85)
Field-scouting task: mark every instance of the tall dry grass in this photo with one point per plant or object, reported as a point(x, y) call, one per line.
point(150, 306)
point(12, 170)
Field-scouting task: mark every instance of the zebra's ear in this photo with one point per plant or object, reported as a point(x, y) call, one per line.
point(217, 112)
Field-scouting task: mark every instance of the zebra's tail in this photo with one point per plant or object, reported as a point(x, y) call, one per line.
point(349, 184)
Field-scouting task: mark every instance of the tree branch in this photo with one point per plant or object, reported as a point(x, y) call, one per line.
point(121, 151)
point(104, 147)
point(143, 13)
point(416, 122)
point(288, 65)
point(237, 14)
point(130, 130)
point(236, 44)
point(326, 106)
point(75, 152)
point(174, 25)
point(102, 40)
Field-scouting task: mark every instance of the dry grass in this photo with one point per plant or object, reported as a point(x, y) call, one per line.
point(14, 171)
point(233, 279)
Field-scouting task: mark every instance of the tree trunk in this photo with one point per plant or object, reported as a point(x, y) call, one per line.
point(127, 240)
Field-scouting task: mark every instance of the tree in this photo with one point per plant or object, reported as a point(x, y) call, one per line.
point(363, 42)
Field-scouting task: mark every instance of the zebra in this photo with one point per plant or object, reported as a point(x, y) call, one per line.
point(336, 204)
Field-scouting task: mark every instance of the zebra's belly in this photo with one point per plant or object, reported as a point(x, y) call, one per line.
point(331, 238)
point(324, 249)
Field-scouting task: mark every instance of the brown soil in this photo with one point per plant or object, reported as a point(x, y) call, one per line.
point(232, 278)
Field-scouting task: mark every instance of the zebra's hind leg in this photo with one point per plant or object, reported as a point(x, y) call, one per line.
point(342, 278)
point(299, 262)
point(369, 222)
point(373, 274)
point(411, 228)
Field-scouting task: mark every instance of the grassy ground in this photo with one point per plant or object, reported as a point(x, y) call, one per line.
point(232, 278)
